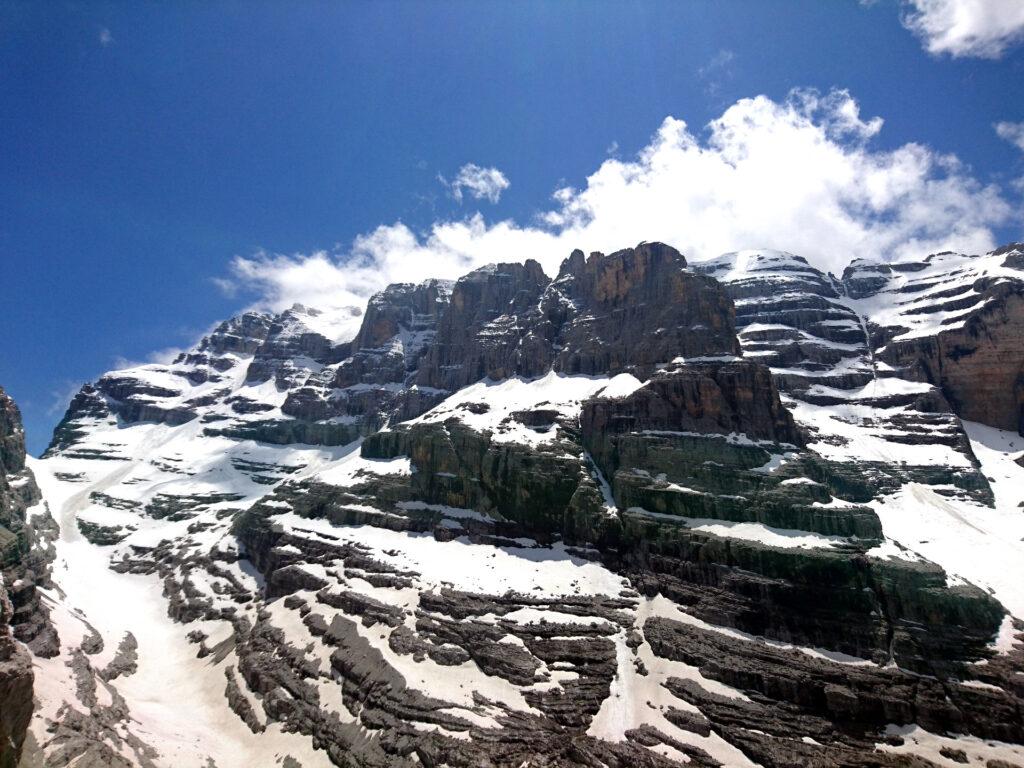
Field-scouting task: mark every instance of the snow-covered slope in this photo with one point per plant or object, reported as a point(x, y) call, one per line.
point(794, 318)
point(916, 299)
point(523, 521)
point(954, 321)
point(827, 340)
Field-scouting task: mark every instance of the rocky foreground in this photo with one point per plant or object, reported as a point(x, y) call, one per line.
point(641, 514)
point(24, 551)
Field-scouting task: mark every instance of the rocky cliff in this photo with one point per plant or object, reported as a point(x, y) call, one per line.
point(20, 614)
point(953, 321)
point(642, 513)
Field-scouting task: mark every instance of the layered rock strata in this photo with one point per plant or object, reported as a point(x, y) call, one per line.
point(644, 513)
point(952, 321)
point(22, 618)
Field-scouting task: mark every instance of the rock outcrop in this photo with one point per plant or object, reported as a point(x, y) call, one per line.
point(953, 321)
point(627, 311)
point(373, 383)
point(818, 335)
point(634, 310)
point(481, 333)
point(794, 318)
point(732, 398)
point(18, 602)
point(16, 679)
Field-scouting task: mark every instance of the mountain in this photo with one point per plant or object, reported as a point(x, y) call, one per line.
point(642, 513)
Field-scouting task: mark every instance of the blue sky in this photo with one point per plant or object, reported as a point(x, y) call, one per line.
point(151, 152)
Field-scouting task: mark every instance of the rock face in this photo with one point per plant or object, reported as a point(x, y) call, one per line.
point(291, 346)
point(18, 602)
point(17, 488)
point(794, 318)
point(480, 335)
point(15, 690)
point(644, 514)
point(953, 321)
point(815, 334)
point(372, 383)
point(627, 311)
point(174, 394)
point(949, 320)
point(705, 398)
point(635, 309)
point(399, 326)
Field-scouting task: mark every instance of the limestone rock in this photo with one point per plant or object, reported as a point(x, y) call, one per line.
point(953, 321)
point(17, 580)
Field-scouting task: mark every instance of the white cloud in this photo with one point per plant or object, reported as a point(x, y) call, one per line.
point(480, 182)
point(799, 175)
point(61, 397)
point(1011, 132)
point(720, 60)
point(982, 28)
point(106, 37)
point(716, 71)
point(163, 356)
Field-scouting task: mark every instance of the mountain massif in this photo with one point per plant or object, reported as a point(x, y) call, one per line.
point(644, 513)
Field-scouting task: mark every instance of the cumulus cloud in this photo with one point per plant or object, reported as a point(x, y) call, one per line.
point(481, 183)
point(1011, 132)
point(106, 37)
point(982, 28)
point(799, 175)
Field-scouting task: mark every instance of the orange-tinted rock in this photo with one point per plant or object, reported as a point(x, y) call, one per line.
point(980, 367)
point(636, 309)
